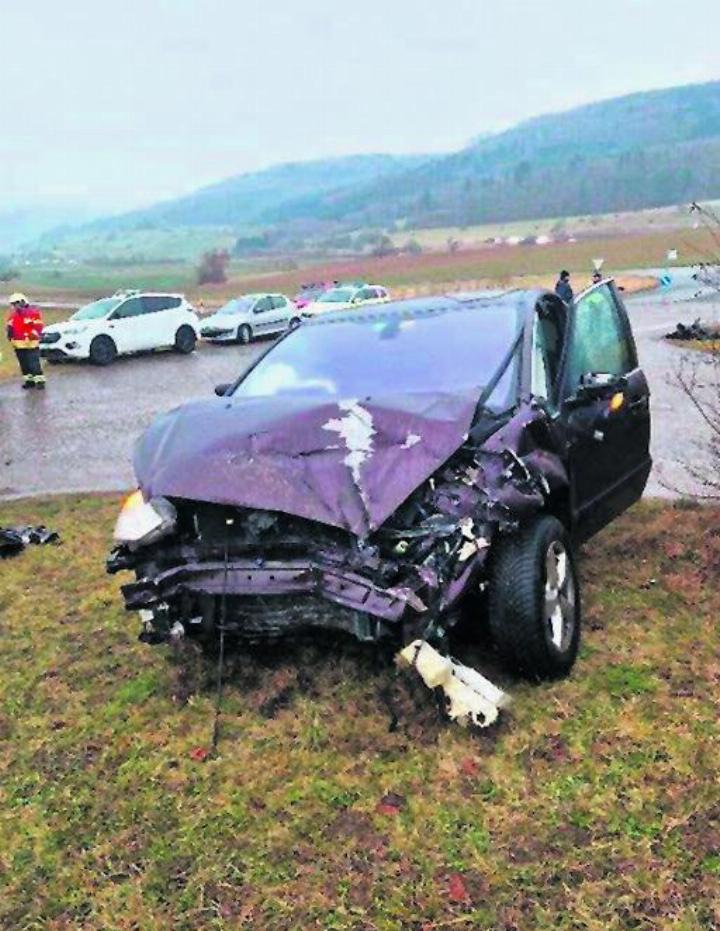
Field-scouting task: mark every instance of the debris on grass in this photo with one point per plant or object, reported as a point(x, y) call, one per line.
point(13, 540)
point(694, 331)
point(472, 699)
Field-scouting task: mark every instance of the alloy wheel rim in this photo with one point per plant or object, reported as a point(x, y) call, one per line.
point(559, 597)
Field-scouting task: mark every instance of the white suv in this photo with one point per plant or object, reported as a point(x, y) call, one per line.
point(251, 315)
point(129, 321)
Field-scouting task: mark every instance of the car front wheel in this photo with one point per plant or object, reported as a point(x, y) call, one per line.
point(185, 340)
point(534, 600)
point(244, 334)
point(294, 323)
point(102, 350)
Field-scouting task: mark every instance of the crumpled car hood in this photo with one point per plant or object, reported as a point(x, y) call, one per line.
point(347, 463)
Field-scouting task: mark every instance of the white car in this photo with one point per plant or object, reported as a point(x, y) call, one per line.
point(129, 321)
point(244, 318)
point(345, 297)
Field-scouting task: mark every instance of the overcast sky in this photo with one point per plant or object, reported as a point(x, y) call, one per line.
point(120, 104)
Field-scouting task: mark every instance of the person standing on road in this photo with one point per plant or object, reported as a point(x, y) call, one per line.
point(563, 288)
point(24, 325)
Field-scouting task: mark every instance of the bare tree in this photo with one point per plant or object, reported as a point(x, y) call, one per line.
point(213, 267)
point(707, 272)
point(697, 373)
point(698, 376)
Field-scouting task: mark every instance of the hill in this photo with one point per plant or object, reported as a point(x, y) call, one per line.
point(643, 150)
point(20, 223)
point(248, 199)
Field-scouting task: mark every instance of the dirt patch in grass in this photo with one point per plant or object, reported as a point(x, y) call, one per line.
point(595, 805)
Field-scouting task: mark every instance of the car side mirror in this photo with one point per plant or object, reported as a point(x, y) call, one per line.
point(222, 390)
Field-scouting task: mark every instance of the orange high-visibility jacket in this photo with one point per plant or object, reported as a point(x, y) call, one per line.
point(24, 326)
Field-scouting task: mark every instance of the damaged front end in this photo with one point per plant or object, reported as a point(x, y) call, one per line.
point(262, 575)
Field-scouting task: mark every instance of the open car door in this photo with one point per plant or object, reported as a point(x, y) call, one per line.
point(605, 407)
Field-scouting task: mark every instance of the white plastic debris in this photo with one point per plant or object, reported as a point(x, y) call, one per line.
point(473, 544)
point(472, 698)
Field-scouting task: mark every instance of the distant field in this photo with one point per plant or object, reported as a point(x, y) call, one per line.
point(96, 279)
point(431, 270)
point(499, 265)
point(664, 219)
point(176, 243)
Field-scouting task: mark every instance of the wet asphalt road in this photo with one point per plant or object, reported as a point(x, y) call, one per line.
point(78, 435)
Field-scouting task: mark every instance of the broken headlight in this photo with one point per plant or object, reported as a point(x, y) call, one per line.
point(143, 522)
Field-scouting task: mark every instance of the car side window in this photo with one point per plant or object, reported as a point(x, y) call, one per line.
point(366, 294)
point(263, 305)
point(599, 340)
point(547, 346)
point(133, 307)
point(278, 302)
point(157, 302)
point(153, 303)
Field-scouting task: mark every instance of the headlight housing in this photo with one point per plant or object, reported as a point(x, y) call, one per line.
point(143, 522)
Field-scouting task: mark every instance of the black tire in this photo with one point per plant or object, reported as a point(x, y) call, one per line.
point(185, 340)
point(531, 638)
point(244, 334)
point(103, 350)
point(294, 323)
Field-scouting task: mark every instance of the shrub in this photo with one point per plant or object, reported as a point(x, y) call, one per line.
point(213, 267)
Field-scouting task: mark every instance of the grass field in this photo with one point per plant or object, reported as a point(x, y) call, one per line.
point(595, 805)
point(677, 218)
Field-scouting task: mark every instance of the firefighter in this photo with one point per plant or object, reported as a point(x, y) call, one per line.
point(24, 326)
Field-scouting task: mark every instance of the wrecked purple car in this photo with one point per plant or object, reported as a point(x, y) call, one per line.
point(376, 467)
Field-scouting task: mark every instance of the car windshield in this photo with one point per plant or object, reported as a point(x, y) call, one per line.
point(337, 296)
point(97, 309)
point(457, 350)
point(237, 305)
